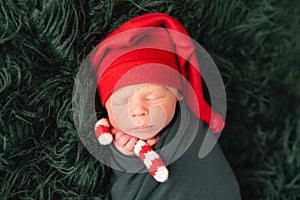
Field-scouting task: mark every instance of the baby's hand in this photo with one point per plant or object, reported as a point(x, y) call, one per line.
point(125, 143)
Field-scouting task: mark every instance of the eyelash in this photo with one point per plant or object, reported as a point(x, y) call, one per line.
point(125, 101)
point(153, 98)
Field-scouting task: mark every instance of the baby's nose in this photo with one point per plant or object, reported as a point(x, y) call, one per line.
point(137, 108)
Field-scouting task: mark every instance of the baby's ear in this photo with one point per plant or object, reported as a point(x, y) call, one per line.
point(179, 95)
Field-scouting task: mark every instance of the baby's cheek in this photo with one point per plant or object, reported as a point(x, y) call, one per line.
point(170, 111)
point(121, 117)
point(158, 115)
point(112, 120)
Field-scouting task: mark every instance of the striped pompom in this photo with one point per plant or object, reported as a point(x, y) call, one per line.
point(102, 132)
point(152, 161)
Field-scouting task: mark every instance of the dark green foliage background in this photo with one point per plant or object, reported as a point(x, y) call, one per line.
point(254, 43)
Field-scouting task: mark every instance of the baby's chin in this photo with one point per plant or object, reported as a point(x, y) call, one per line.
point(143, 136)
point(144, 133)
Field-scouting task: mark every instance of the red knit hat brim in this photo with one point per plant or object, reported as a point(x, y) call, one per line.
point(140, 66)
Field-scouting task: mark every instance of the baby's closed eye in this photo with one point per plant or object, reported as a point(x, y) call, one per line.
point(154, 97)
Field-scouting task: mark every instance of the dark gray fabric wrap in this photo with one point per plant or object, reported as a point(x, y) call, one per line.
point(190, 178)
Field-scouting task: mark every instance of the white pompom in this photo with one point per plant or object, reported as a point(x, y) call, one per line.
point(105, 138)
point(103, 122)
point(162, 174)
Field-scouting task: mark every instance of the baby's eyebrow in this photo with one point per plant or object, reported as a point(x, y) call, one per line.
point(121, 97)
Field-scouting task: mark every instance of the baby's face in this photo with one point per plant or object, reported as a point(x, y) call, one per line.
point(142, 110)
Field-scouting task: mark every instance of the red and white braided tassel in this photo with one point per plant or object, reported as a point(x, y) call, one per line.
point(102, 132)
point(148, 156)
point(152, 161)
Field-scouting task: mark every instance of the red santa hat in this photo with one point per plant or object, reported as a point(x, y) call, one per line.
point(153, 48)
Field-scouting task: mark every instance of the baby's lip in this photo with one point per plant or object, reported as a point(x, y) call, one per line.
point(143, 128)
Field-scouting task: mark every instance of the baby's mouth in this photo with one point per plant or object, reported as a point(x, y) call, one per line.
point(144, 132)
point(145, 128)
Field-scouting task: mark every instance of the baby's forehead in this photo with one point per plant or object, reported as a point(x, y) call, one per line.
point(141, 88)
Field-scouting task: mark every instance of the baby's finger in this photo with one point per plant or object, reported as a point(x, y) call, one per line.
point(123, 139)
point(153, 141)
point(130, 144)
point(114, 131)
point(117, 135)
